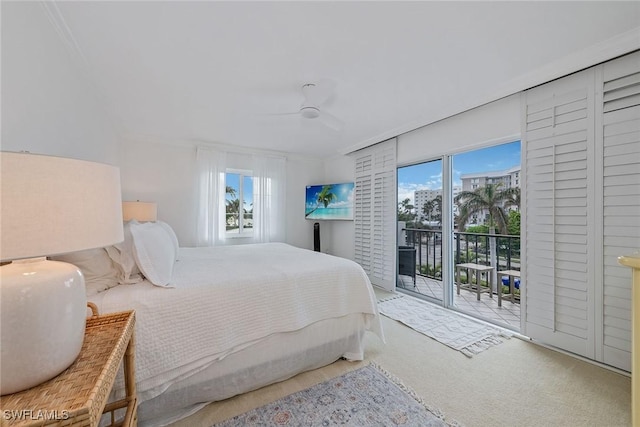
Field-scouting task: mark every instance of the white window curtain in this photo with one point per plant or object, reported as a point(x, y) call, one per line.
point(269, 198)
point(211, 227)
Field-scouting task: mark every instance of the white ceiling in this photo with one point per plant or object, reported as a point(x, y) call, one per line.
point(212, 71)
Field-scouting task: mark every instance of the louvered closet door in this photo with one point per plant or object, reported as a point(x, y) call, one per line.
point(375, 212)
point(620, 154)
point(362, 213)
point(558, 282)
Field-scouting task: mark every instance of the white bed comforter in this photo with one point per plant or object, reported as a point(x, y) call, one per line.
point(226, 298)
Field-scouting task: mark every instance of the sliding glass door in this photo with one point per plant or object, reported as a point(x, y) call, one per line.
point(420, 229)
point(459, 232)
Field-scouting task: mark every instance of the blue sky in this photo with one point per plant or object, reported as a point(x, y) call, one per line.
point(429, 175)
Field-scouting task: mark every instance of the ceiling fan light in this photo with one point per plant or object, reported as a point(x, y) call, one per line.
point(309, 112)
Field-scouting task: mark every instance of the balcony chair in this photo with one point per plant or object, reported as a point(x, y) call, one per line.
point(407, 262)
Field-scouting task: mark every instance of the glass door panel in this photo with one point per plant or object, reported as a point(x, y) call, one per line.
point(486, 235)
point(420, 230)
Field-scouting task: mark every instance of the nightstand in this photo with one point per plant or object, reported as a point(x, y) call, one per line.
point(78, 396)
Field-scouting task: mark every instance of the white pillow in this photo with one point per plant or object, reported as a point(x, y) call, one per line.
point(154, 251)
point(172, 234)
point(99, 271)
point(122, 255)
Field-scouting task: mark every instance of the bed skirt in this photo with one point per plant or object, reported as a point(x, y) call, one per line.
point(261, 364)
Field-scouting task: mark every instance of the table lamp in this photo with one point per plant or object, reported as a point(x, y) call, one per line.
point(140, 211)
point(48, 206)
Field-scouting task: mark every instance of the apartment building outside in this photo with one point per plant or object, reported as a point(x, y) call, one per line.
point(509, 178)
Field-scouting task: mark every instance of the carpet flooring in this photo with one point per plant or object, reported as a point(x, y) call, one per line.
point(447, 327)
point(514, 384)
point(367, 396)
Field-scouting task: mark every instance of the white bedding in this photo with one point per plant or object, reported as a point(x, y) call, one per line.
point(261, 364)
point(228, 298)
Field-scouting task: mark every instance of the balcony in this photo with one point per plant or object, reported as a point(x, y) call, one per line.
point(475, 248)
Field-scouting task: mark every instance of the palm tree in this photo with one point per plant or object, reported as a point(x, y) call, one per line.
point(233, 213)
point(405, 211)
point(432, 209)
point(514, 199)
point(427, 209)
point(489, 198)
point(233, 207)
point(492, 199)
point(437, 208)
point(325, 196)
point(461, 218)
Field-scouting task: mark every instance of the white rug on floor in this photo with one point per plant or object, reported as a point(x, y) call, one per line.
point(446, 326)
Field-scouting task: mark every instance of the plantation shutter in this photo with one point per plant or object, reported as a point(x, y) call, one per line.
point(362, 210)
point(581, 139)
point(558, 138)
point(620, 153)
point(375, 212)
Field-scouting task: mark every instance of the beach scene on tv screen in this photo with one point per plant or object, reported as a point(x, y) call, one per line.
point(330, 201)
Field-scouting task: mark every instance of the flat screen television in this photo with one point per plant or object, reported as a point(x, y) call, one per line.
point(329, 201)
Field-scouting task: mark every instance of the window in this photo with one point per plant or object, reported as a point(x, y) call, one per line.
point(239, 203)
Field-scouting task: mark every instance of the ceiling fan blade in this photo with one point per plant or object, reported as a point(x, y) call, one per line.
point(330, 120)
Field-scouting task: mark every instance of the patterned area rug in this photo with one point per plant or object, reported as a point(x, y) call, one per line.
point(368, 396)
point(449, 328)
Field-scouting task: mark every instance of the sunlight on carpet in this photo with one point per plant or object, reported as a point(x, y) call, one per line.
point(366, 396)
point(445, 326)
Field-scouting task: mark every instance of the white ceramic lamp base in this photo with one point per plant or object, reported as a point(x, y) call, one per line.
point(43, 309)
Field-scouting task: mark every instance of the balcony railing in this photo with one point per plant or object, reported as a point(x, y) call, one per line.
point(468, 247)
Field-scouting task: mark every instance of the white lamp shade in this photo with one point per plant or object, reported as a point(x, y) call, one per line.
point(54, 205)
point(140, 211)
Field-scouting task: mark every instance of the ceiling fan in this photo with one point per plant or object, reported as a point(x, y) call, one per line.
point(315, 95)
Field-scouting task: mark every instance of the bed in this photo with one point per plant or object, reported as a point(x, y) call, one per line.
point(226, 320)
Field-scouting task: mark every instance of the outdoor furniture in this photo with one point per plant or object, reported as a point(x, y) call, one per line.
point(511, 296)
point(475, 271)
point(407, 262)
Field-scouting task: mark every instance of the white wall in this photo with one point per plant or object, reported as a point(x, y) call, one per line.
point(48, 106)
point(490, 124)
point(338, 236)
point(166, 173)
point(300, 173)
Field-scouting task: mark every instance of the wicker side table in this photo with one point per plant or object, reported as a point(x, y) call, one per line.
point(78, 396)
